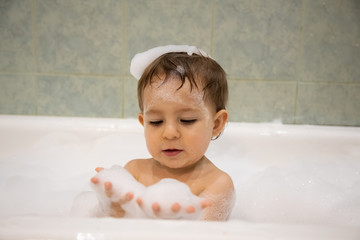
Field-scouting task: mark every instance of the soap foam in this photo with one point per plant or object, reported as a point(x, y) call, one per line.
point(165, 193)
point(278, 179)
point(141, 60)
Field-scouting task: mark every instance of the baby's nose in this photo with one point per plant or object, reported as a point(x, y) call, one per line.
point(171, 131)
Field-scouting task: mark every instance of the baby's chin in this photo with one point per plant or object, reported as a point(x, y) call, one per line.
point(171, 164)
point(177, 164)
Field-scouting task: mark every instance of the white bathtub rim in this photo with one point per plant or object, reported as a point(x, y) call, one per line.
point(132, 124)
point(108, 228)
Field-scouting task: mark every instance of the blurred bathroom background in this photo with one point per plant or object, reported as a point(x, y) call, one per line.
point(295, 61)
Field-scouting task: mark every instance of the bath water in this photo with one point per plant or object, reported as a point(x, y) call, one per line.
point(279, 177)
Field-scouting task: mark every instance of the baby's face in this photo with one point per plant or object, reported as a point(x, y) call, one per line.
point(178, 123)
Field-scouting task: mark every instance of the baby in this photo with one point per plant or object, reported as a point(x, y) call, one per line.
point(182, 94)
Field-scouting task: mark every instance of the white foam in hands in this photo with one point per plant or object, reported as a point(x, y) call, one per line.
point(122, 183)
point(165, 193)
point(141, 60)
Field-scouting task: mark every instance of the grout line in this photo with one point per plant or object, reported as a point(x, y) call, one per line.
point(124, 57)
point(296, 103)
point(64, 74)
point(262, 81)
point(212, 29)
point(299, 59)
point(259, 79)
point(293, 82)
point(289, 81)
point(35, 52)
point(34, 34)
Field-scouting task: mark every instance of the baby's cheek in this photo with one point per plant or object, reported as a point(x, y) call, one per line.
point(198, 143)
point(151, 143)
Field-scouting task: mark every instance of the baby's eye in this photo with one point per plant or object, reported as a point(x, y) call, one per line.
point(188, 121)
point(156, 123)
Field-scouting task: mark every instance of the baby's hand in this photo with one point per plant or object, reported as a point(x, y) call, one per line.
point(171, 199)
point(115, 189)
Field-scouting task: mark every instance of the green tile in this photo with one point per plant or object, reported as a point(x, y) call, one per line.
point(154, 23)
point(80, 36)
point(278, 44)
point(18, 94)
point(328, 104)
point(259, 101)
point(331, 47)
point(257, 39)
point(80, 96)
point(16, 43)
point(131, 103)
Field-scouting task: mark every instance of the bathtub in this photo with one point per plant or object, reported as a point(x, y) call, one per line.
point(292, 181)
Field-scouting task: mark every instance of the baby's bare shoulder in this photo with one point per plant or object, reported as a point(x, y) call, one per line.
point(137, 166)
point(224, 181)
point(219, 182)
point(220, 191)
point(137, 163)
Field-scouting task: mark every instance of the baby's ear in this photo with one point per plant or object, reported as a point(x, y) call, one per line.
point(221, 118)
point(141, 118)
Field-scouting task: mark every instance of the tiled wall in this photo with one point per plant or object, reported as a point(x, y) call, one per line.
point(292, 60)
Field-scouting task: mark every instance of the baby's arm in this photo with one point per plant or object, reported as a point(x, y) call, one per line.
point(221, 193)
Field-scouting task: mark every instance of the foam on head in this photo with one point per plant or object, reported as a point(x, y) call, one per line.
point(183, 63)
point(141, 60)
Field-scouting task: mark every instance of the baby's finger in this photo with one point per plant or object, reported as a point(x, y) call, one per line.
point(129, 196)
point(205, 203)
point(156, 208)
point(126, 198)
point(175, 207)
point(108, 187)
point(139, 201)
point(94, 180)
point(190, 209)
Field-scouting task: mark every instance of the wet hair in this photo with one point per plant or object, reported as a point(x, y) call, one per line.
point(202, 72)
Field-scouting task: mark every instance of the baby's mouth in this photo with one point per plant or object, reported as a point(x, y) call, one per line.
point(171, 152)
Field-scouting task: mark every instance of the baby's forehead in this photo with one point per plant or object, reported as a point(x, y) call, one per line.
point(173, 88)
point(174, 81)
point(172, 92)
